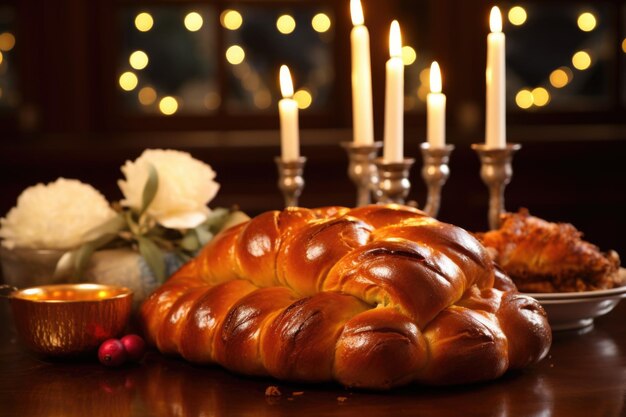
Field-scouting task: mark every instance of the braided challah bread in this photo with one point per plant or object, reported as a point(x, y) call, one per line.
point(373, 297)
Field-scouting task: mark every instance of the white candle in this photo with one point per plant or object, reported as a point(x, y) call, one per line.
point(362, 110)
point(394, 98)
point(288, 111)
point(436, 110)
point(495, 126)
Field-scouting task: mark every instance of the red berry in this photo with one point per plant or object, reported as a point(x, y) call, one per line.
point(135, 346)
point(112, 353)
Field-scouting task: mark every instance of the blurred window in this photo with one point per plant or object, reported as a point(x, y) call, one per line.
point(301, 38)
point(560, 56)
point(167, 63)
point(202, 60)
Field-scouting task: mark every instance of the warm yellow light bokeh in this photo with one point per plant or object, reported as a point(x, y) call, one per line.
point(144, 22)
point(128, 81)
point(321, 23)
point(1, 57)
point(251, 82)
point(303, 98)
point(231, 19)
point(581, 60)
point(587, 22)
point(524, 99)
point(422, 92)
point(147, 96)
point(425, 76)
point(410, 102)
point(193, 21)
point(212, 100)
point(138, 60)
point(235, 55)
point(262, 99)
point(408, 55)
point(624, 45)
point(168, 105)
point(517, 15)
point(7, 41)
point(285, 24)
point(560, 77)
point(541, 96)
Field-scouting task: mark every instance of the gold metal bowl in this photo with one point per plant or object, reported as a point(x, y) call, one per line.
point(70, 319)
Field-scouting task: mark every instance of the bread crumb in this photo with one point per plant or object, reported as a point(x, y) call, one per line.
point(272, 391)
point(342, 399)
point(296, 393)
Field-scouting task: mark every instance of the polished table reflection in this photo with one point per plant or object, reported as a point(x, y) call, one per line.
point(584, 375)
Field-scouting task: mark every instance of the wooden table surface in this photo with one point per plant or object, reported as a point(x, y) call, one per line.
point(584, 375)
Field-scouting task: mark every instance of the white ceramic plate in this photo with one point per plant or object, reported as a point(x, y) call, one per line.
point(575, 310)
point(577, 313)
point(613, 292)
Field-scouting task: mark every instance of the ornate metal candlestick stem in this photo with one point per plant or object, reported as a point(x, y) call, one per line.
point(362, 169)
point(435, 173)
point(496, 172)
point(393, 181)
point(290, 180)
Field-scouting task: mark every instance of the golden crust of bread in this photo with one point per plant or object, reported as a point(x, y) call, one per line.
point(374, 297)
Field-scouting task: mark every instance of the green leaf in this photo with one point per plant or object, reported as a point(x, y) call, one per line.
point(112, 226)
point(150, 189)
point(190, 241)
point(153, 257)
point(204, 236)
point(216, 219)
point(233, 219)
point(181, 255)
point(132, 224)
point(216, 215)
point(162, 242)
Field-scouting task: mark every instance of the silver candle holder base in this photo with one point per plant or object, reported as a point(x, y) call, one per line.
point(496, 172)
point(290, 179)
point(393, 181)
point(435, 173)
point(362, 169)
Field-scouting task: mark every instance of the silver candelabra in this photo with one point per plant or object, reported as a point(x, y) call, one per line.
point(496, 172)
point(290, 179)
point(362, 169)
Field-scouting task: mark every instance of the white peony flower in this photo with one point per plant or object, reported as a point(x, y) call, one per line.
point(185, 187)
point(54, 216)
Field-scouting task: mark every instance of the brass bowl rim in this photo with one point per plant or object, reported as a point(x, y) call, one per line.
point(123, 292)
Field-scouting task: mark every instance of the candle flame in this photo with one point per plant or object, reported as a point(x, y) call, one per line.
point(435, 78)
point(495, 20)
point(395, 40)
point(286, 84)
point(356, 10)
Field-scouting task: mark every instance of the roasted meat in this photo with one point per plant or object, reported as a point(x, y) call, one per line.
point(550, 257)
